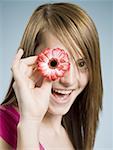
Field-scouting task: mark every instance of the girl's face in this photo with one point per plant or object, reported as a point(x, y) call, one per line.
point(66, 89)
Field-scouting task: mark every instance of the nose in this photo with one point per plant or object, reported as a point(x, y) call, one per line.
point(67, 79)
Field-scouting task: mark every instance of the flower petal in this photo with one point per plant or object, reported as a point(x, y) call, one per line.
point(64, 66)
point(56, 53)
point(43, 58)
point(48, 53)
point(58, 71)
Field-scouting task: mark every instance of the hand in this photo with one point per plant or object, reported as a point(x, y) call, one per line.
point(33, 101)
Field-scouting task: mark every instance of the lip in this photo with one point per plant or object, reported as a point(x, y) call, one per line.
point(63, 89)
point(61, 100)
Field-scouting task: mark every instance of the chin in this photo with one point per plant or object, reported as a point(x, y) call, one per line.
point(57, 107)
point(57, 111)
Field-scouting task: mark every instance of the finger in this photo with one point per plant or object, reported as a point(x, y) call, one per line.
point(29, 60)
point(15, 65)
point(18, 56)
point(16, 91)
point(17, 59)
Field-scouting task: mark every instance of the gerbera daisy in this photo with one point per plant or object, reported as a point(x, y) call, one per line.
point(53, 63)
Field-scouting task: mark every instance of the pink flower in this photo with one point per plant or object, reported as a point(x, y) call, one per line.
point(53, 63)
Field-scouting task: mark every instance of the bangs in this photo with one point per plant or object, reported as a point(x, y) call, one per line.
point(66, 31)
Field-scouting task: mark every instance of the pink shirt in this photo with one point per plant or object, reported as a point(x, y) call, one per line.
point(9, 119)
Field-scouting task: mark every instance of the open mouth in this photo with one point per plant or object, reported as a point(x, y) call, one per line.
point(60, 95)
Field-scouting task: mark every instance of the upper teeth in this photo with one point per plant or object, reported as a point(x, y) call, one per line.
point(62, 91)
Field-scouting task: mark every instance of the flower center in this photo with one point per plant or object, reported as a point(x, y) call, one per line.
point(53, 63)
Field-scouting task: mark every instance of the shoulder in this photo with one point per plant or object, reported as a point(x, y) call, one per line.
point(9, 119)
point(8, 112)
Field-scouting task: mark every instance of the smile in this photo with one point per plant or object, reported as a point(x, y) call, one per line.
point(61, 96)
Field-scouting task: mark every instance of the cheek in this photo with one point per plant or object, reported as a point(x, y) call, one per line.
point(84, 80)
point(82, 83)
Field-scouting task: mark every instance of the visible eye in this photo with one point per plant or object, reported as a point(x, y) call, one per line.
point(82, 64)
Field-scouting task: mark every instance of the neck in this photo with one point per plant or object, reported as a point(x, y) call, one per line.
point(52, 122)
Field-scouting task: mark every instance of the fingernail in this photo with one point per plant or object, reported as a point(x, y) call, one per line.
point(21, 50)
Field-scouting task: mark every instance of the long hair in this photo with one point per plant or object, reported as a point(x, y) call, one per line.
point(76, 30)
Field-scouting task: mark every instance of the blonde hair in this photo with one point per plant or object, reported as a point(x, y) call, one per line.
point(76, 30)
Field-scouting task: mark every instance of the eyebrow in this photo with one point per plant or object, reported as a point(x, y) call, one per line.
point(83, 58)
point(79, 58)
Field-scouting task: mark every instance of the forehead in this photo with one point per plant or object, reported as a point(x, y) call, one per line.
point(49, 40)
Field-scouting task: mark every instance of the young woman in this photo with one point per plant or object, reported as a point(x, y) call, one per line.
point(63, 114)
